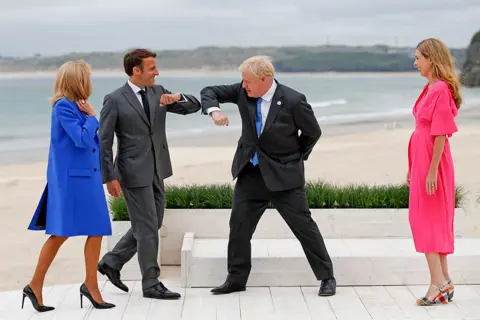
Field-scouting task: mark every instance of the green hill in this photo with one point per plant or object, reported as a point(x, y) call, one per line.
point(378, 58)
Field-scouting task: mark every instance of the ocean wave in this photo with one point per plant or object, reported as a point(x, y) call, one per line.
point(22, 135)
point(471, 103)
point(364, 116)
point(17, 142)
point(332, 119)
point(7, 137)
point(328, 103)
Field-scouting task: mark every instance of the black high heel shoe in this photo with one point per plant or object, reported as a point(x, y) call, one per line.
point(28, 292)
point(84, 292)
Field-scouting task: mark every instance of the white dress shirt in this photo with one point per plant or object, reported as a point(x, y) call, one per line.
point(265, 106)
point(266, 102)
point(137, 90)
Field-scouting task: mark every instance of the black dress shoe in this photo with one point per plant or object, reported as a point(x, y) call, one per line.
point(328, 287)
point(84, 292)
point(228, 287)
point(28, 292)
point(112, 275)
point(159, 291)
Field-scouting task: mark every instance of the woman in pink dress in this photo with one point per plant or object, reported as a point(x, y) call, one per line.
point(430, 166)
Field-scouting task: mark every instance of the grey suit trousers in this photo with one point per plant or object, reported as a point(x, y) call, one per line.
point(146, 207)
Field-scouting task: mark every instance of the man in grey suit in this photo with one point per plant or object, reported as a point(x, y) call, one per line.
point(136, 113)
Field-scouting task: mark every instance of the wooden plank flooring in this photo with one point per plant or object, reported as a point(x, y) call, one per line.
point(262, 303)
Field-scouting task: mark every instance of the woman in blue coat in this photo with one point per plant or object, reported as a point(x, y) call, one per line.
point(73, 201)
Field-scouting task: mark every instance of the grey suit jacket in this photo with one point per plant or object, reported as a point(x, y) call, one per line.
point(142, 149)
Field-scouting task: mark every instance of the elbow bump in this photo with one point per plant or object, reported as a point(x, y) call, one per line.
point(208, 92)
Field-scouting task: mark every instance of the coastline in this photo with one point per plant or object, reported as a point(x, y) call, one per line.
point(224, 137)
point(184, 73)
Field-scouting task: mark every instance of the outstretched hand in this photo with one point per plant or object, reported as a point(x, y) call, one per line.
point(169, 98)
point(219, 118)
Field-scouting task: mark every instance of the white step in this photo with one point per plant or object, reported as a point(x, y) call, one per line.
point(357, 262)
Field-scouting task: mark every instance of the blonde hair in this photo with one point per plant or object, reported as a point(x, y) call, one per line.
point(258, 66)
point(72, 82)
point(443, 67)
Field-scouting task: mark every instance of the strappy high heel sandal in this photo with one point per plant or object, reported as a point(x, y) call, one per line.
point(450, 291)
point(440, 298)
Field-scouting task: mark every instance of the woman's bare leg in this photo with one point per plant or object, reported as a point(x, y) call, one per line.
point(436, 274)
point(47, 254)
point(92, 256)
point(444, 264)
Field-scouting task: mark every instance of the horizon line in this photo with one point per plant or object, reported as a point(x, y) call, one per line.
point(38, 55)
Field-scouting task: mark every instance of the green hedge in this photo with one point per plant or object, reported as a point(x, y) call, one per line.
point(319, 195)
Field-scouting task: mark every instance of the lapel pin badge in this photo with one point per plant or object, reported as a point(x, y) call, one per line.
point(279, 102)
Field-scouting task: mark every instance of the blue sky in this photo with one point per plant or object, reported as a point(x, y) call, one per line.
point(52, 27)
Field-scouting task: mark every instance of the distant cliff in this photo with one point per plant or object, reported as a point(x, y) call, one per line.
point(471, 68)
point(325, 58)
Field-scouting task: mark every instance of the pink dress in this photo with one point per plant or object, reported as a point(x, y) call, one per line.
point(431, 216)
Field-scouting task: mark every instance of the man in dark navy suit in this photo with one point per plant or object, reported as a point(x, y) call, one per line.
point(279, 131)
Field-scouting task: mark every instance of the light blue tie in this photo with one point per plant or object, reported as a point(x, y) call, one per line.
point(258, 124)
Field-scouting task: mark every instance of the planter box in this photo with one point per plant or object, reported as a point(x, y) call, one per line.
point(333, 224)
point(131, 270)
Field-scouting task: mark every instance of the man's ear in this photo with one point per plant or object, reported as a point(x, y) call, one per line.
point(137, 69)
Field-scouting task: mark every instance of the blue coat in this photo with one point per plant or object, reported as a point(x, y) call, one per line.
point(73, 202)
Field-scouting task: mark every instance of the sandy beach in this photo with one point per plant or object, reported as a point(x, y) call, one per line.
point(374, 156)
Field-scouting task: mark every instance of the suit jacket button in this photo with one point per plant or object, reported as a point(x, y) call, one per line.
point(95, 170)
point(94, 149)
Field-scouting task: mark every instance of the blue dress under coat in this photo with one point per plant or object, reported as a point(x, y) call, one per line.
point(73, 202)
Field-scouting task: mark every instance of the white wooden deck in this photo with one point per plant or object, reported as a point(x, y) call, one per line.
point(262, 303)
